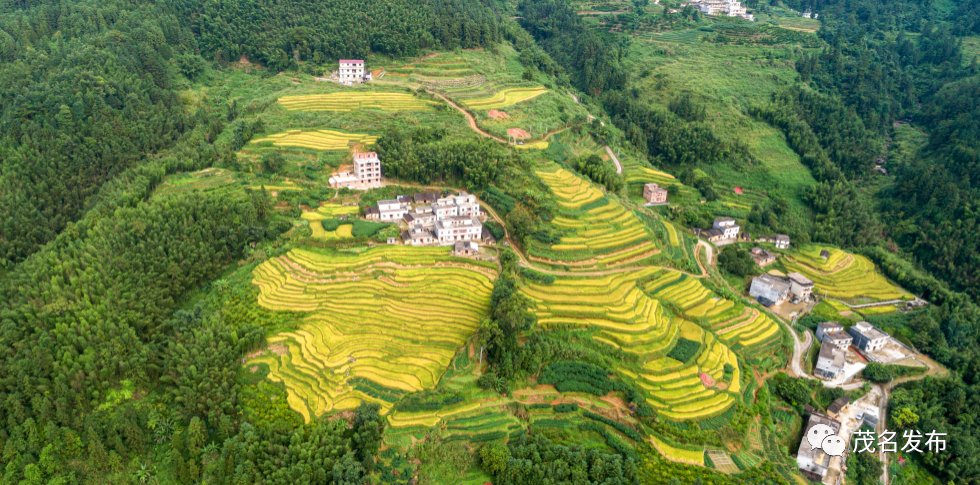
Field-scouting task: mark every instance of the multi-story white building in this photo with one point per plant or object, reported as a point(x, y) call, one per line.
point(458, 228)
point(351, 71)
point(800, 286)
point(461, 204)
point(830, 361)
point(731, 8)
point(366, 174)
point(769, 289)
point(722, 229)
point(867, 337)
point(367, 169)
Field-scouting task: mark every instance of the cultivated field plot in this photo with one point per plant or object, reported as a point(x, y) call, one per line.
point(596, 231)
point(380, 323)
point(437, 70)
point(355, 100)
point(678, 454)
point(635, 322)
point(317, 139)
point(331, 211)
point(505, 97)
point(736, 324)
point(849, 277)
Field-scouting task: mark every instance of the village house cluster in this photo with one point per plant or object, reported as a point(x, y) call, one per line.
point(366, 173)
point(431, 219)
point(770, 289)
point(731, 8)
point(835, 343)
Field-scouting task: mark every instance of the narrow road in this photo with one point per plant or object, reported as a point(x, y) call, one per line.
point(619, 166)
point(799, 351)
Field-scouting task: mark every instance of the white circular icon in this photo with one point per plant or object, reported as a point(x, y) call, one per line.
point(833, 445)
point(816, 435)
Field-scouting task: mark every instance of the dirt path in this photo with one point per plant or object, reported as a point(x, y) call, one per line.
point(619, 166)
point(469, 118)
point(799, 351)
point(600, 12)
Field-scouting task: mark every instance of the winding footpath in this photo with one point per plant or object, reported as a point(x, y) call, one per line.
point(619, 166)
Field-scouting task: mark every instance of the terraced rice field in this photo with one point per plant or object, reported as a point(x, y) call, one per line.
point(331, 211)
point(637, 322)
point(849, 277)
point(535, 145)
point(317, 139)
point(735, 324)
point(674, 453)
point(505, 97)
point(596, 231)
point(355, 100)
point(378, 323)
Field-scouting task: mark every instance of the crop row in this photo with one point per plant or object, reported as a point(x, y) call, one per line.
point(596, 230)
point(317, 139)
point(505, 97)
point(374, 318)
point(355, 100)
point(843, 275)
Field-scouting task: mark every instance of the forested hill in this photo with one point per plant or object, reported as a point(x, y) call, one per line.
point(278, 34)
point(90, 87)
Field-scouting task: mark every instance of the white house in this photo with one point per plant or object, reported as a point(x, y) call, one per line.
point(351, 71)
point(392, 210)
point(830, 361)
point(800, 286)
point(728, 227)
point(722, 229)
point(867, 337)
point(367, 169)
point(834, 333)
point(458, 228)
point(769, 289)
point(781, 241)
point(366, 174)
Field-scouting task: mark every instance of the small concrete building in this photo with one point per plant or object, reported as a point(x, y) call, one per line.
point(466, 248)
point(723, 229)
point(428, 198)
point(728, 227)
point(834, 333)
point(351, 71)
point(391, 210)
point(867, 337)
point(781, 241)
point(762, 257)
point(837, 406)
point(830, 361)
point(654, 194)
point(769, 289)
point(800, 286)
point(814, 463)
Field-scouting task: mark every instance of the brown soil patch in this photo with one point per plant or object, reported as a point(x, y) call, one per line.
point(496, 114)
point(278, 349)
